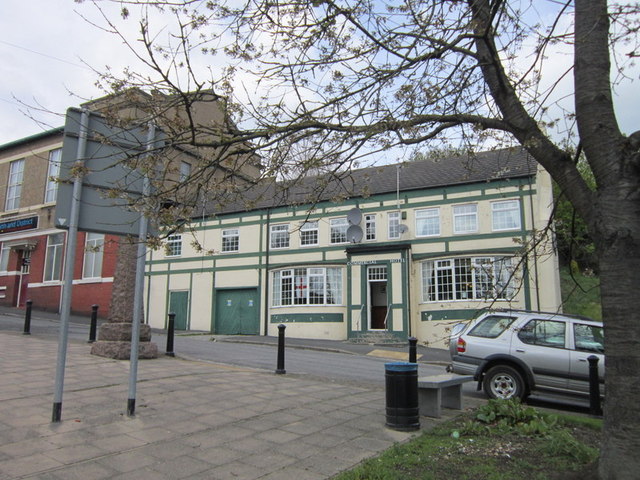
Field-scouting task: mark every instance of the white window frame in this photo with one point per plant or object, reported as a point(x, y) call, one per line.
point(230, 240)
point(53, 172)
point(468, 279)
point(292, 287)
point(279, 236)
point(14, 184)
point(370, 227)
point(425, 219)
point(338, 230)
point(505, 215)
point(93, 255)
point(5, 252)
point(174, 245)
point(53, 261)
point(393, 231)
point(465, 218)
point(309, 234)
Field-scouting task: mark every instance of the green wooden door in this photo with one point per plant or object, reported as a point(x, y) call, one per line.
point(237, 312)
point(179, 304)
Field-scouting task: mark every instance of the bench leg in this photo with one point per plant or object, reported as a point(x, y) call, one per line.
point(429, 400)
point(452, 397)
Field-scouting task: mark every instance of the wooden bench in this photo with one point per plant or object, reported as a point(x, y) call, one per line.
point(438, 391)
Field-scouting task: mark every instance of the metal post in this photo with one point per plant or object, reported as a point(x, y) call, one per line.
point(27, 318)
point(69, 264)
point(594, 386)
point(412, 350)
point(94, 323)
point(139, 286)
point(170, 332)
point(280, 368)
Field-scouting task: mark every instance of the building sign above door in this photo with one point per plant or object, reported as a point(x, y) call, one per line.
point(18, 225)
point(375, 262)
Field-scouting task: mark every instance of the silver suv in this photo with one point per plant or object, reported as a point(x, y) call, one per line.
point(512, 353)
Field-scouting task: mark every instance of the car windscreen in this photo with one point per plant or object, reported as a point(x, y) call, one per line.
point(491, 326)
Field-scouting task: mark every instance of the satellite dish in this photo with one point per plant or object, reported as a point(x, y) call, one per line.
point(354, 217)
point(354, 234)
point(403, 228)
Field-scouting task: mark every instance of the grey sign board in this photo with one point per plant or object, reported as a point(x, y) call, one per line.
point(110, 184)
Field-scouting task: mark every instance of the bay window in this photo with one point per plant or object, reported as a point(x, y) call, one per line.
point(307, 286)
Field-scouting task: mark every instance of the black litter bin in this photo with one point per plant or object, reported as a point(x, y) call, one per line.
point(403, 411)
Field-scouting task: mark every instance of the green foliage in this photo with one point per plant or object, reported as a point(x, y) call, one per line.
point(508, 416)
point(562, 444)
point(580, 294)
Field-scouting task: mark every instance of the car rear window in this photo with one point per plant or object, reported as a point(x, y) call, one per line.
point(491, 326)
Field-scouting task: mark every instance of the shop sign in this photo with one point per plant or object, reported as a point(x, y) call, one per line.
point(376, 262)
point(18, 225)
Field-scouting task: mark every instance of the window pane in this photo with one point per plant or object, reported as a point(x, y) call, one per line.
point(339, 230)
point(53, 261)
point(506, 215)
point(309, 233)
point(463, 279)
point(53, 172)
point(394, 225)
point(14, 184)
point(230, 240)
point(428, 222)
point(546, 333)
point(465, 218)
point(370, 227)
point(588, 338)
point(491, 327)
point(279, 236)
point(174, 245)
point(94, 246)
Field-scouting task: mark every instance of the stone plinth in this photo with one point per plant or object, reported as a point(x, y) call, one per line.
point(114, 341)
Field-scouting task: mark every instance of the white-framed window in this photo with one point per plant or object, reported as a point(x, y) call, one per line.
point(185, 171)
point(4, 257)
point(394, 225)
point(231, 240)
point(338, 228)
point(370, 227)
point(174, 245)
point(472, 278)
point(307, 286)
point(428, 222)
point(53, 171)
point(14, 185)
point(279, 236)
point(309, 234)
point(53, 260)
point(93, 251)
point(465, 218)
point(505, 215)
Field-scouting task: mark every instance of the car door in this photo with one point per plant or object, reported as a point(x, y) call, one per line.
point(541, 344)
point(587, 340)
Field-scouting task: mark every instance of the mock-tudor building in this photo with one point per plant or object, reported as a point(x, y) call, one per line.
point(399, 251)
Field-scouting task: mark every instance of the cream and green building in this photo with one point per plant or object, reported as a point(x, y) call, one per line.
point(402, 250)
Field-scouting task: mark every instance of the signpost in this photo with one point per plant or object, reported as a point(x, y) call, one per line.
point(99, 181)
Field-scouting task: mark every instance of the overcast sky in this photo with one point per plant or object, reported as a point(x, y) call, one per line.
point(44, 45)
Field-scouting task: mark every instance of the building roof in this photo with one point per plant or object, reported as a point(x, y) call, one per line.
point(503, 164)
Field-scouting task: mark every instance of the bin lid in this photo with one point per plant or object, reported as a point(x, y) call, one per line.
point(400, 367)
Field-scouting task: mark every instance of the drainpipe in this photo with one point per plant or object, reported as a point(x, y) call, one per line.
point(266, 277)
point(535, 254)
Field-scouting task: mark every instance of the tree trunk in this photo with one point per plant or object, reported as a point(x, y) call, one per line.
point(618, 242)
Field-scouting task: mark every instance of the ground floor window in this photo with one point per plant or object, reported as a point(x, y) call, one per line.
point(307, 286)
point(473, 278)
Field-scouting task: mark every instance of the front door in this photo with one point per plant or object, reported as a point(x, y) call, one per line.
point(378, 298)
point(179, 304)
point(237, 312)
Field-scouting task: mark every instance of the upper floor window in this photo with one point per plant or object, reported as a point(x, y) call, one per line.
point(230, 240)
point(53, 260)
point(428, 222)
point(478, 278)
point(465, 218)
point(394, 225)
point(53, 171)
point(93, 250)
point(185, 171)
point(370, 227)
point(309, 234)
point(339, 230)
point(174, 245)
point(279, 236)
point(505, 215)
point(307, 286)
point(14, 185)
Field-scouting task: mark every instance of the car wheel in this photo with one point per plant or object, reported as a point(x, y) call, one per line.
point(503, 382)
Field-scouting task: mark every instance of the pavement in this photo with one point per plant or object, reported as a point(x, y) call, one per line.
point(193, 419)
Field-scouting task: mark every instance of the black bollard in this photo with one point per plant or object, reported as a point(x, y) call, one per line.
point(280, 368)
point(594, 386)
point(94, 323)
point(170, 332)
point(27, 318)
point(412, 350)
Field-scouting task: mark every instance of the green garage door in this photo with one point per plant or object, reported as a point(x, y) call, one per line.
point(179, 304)
point(237, 312)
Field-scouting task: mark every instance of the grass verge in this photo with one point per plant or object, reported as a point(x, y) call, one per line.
point(502, 440)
